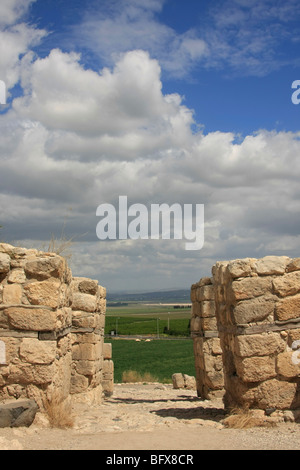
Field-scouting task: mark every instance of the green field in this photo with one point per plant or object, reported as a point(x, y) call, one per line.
point(143, 319)
point(161, 358)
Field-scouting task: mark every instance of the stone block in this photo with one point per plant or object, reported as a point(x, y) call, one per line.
point(286, 366)
point(289, 284)
point(4, 263)
point(35, 319)
point(208, 308)
point(249, 287)
point(12, 294)
point(45, 267)
point(254, 310)
point(79, 383)
point(208, 324)
point(108, 366)
point(18, 413)
point(189, 382)
point(258, 344)
point(37, 352)
point(288, 308)
point(43, 293)
point(255, 368)
point(87, 368)
point(195, 325)
point(240, 268)
point(196, 309)
point(277, 394)
point(17, 275)
point(272, 265)
point(86, 351)
point(107, 351)
point(88, 286)
point(205, 293)
point(85, 302)
point(27, 374)
point(178, 381)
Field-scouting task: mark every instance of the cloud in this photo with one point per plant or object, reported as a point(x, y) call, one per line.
point(79, 137)
point(16, 39)
point(240, 37)
point(131, 25)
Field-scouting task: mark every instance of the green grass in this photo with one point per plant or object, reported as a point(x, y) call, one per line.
point(160, 358)
point(138, 318)
point(147, 326)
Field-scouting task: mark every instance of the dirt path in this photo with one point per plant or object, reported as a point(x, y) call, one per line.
point(151, 417)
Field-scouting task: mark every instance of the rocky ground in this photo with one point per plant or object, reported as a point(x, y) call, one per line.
point(151, 417)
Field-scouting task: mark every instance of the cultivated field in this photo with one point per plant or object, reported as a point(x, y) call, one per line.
point(139, 318)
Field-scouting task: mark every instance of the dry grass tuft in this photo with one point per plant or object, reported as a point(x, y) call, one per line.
point(59, 412)
point(244, 418)
point(132, 376)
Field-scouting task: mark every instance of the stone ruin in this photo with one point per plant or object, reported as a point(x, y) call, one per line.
point(246, 331)
point(51, 331)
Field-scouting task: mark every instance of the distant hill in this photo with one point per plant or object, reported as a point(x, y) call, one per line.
point(180, 295)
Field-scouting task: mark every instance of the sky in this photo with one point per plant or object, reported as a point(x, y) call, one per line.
point(162, 101)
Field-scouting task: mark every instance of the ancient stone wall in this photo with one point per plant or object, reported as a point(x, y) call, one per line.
point(257, 304)
point(207, 349)
point(51, 328)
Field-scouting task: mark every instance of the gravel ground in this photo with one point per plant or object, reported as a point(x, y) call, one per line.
point(151, 417)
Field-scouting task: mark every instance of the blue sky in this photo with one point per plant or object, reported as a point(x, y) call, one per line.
point(162, 100)
point(228, 94)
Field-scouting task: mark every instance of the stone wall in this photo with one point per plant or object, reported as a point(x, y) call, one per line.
point(51, 328)
point(207, 348)
point(257, 304)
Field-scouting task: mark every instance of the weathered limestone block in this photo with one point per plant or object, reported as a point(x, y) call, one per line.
point(88, 286)
point(254, 310)
point(208, 324)
point(4, 263)
point(34, 319)
point(277, 394)
point(88, 351)
point(107, 351)
point(207, 308)
point(195, 325)
point(18, 413)
point(24, 373)
point(258, 344)
point(79, 383)
point(85, 302)
point(205, 292)
point(37, 352)
point(294, 265)
point(178, 381)
point(85, 367)
point(45, 267)
point(12, 294)
point(255, 368)
point(82, 319)
point(288, 284)
point(240, 267)
point(11, 351)
point(189, 382)
point(287, 367)
point(272, 265)
point(17, 275)
point(196, 309)
point(288, 308)
point(249, 287)
point(43, 293)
